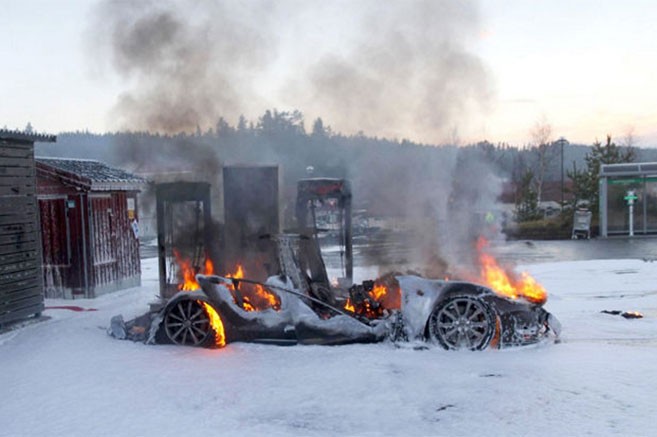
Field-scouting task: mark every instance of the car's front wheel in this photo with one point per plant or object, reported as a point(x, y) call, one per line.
point(462, 322)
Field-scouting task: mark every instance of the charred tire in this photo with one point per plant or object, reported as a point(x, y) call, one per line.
point(322, 293)
point(187, 323)
point(462, 322)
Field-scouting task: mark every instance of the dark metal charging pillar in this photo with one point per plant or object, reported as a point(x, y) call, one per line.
point(171, 193)
point(320, 189)
point(348, 244)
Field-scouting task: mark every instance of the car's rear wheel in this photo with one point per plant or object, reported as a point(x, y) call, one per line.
point(462, 322)
point(187, 323)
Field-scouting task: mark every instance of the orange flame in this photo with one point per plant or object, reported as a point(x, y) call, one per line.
point(256, 299)
point(188, 283)
point(209, 267)
point(376, 302)
point(239, 273)
point(254, 296)
point(508, 284)
point(216, 324)
point(378, 292)
point(188, 273)
point(271, 300)
point(246, 304)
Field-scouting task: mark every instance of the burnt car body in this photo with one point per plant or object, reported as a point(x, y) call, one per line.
point(452, 314)
point(294, 323)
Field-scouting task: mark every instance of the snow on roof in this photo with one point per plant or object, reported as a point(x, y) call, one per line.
point(96, 175)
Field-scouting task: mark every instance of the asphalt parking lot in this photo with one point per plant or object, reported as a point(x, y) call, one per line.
point(393, 250)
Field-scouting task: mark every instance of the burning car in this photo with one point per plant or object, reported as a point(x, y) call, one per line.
point(293, 308)
point(300, 305)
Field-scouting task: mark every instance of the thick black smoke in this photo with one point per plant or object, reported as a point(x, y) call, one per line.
point(399, 68)
point(395, 68)
point(185, 62)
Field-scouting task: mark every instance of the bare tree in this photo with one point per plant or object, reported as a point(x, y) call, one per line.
point(544, 152)
point(629, 139)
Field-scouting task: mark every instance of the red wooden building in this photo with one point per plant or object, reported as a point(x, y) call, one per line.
point(89, 227)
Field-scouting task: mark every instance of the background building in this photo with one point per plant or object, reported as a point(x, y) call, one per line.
point(90, 227)
point(21, 287)
point(616, 183)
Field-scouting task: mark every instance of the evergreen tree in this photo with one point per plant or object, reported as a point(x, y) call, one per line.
point(585, 182)
point(223, 129)
point(318, 128)
point(526, 199)
point(242, 125)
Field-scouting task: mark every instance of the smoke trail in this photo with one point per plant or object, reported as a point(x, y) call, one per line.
point(408, 73)
point(398, 68)
point(186, 62)
point(443, 199)
point(394, 68)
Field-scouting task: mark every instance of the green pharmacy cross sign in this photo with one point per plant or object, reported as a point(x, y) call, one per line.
point(630, 197)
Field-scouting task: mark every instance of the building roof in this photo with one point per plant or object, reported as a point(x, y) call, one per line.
point(638, 169)
point(89, 174)
point(26, 137)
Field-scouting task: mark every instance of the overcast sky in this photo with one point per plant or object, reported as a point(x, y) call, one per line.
point(585, 67)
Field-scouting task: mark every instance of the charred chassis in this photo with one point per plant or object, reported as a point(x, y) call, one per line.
point(452, 314)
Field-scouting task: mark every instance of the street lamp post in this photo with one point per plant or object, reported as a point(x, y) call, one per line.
point(562, 141)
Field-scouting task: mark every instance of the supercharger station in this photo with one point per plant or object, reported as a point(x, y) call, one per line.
point(628, 188)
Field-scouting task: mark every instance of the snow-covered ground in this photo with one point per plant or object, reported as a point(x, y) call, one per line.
point(66, 377)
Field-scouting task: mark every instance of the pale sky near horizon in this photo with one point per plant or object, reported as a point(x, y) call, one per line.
point(585, 67)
